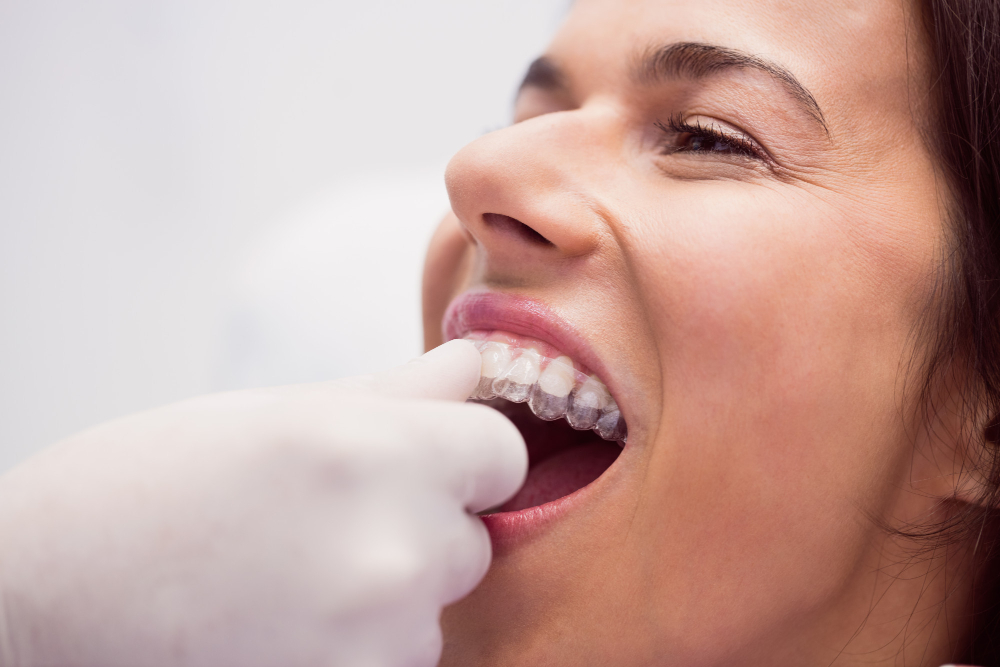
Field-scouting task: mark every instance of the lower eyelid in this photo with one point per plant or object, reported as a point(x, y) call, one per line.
point(705, 166)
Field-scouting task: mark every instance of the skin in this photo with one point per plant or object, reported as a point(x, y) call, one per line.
point(759, 315)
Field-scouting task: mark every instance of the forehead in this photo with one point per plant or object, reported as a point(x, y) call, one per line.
point(848, 54)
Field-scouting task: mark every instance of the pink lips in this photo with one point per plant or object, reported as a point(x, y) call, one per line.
point(488, 311)
point(479, 311)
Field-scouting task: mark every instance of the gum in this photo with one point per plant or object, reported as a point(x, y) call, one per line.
point(552, 384)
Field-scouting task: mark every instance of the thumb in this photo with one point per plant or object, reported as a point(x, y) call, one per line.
point(448, 372)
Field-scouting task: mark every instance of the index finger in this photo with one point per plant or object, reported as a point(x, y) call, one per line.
point(476, 452)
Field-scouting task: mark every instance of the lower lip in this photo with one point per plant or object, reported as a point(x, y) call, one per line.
point(488, 311)
point(510, 529)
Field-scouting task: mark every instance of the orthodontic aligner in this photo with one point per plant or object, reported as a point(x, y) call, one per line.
point(553, 388)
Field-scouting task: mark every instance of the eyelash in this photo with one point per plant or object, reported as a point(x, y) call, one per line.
point(739, 145)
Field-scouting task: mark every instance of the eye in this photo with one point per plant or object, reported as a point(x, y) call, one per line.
point(681, 136)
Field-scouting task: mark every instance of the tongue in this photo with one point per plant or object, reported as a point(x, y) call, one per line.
point(562, 474)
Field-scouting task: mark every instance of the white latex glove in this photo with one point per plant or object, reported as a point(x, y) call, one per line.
point(322, 524)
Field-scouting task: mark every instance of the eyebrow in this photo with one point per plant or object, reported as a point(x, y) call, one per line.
point(698, 60)
point(694, 60)
point(545, 74)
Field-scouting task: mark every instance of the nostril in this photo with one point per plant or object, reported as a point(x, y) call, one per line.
point(508, 225)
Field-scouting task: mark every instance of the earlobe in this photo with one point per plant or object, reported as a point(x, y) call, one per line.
point(973, 484)
point(970, 487)
point(970, 479)
point(956, 445)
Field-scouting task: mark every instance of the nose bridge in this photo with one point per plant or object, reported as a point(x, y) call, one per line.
point(540, 172)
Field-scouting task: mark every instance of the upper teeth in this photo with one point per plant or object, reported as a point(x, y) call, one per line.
point(553, 388)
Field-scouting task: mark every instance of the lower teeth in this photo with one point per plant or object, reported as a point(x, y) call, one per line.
point(552, 388)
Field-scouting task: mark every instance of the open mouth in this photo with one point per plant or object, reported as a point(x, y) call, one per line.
point(572, 426)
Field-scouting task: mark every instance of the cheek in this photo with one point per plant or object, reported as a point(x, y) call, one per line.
point(783, 325)
point(777, 302)
point(446, 264)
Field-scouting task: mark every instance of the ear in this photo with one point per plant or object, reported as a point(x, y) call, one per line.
point(979, 456)
point(956, 446)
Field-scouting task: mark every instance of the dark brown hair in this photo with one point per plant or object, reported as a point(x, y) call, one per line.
point(964, 131)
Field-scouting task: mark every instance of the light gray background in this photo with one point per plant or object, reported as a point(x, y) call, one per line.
point(197, 194)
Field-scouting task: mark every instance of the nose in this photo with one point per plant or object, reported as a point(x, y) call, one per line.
point(525, 193)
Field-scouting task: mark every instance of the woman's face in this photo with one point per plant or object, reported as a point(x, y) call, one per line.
point(729, 203)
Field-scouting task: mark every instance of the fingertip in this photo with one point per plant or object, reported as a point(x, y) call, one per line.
point(456, 347)
point(507, 466)
point(453, 370)
point(449, 372)
point(470, 559)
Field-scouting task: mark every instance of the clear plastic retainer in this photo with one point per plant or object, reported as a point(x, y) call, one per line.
point(552, 388)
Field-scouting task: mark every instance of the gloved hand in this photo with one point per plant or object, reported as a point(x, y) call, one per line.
point(322, 524)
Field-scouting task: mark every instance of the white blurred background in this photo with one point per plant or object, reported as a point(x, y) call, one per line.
point(205, 194)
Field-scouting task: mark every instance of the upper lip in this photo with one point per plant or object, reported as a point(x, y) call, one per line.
point(487, 310)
